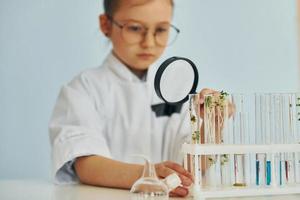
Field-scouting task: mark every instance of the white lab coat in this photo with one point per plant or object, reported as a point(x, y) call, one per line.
point(107, 111)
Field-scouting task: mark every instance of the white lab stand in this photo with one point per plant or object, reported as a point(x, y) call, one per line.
point(199, 193)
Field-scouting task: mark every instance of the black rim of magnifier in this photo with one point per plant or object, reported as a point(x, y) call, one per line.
point(162, 68)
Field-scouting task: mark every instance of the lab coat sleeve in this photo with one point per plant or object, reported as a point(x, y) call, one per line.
point(76, 128)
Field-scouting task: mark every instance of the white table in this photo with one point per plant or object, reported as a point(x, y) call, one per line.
point(45, 190)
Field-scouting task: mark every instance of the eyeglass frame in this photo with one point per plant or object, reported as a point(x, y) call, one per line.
point(121, 26)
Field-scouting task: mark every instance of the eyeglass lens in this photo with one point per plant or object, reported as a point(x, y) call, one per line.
point(165, 34)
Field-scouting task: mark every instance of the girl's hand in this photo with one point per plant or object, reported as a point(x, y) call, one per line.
point(166, 168)
point(207, 91)
point(202, 93)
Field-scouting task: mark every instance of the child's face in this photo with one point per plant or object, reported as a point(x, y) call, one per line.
point(153, 15)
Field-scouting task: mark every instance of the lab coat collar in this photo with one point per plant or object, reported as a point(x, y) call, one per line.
point(122, 71)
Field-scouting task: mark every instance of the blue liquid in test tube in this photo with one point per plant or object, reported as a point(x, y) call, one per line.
point(268, 173)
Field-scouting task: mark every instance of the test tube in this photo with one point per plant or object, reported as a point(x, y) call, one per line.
point(267, 131)
point(259, 139)
point(289, 121)
point(293, 137)
point(297, 156)
point(222, 130)
point(276, 130)
point(216, 132)
point(195, 119)
point(240, 132)
point(267, 124)
point(193, 162)
point(251, 139)
point(210, 138)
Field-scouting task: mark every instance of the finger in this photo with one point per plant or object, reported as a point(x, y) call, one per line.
point(204, 92)
point(179, 192)
point(163, 171)
point(185, 181)
point(179, 169)
point(231, 109)
point(185, 177)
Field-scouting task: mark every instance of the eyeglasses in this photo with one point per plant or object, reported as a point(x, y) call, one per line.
point(133, 32)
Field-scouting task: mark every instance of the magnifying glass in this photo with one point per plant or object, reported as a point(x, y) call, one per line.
point(175, 79)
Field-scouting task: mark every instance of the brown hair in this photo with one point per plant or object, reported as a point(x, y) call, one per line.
point(110, 6)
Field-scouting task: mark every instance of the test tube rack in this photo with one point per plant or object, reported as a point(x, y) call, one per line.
point(199, 193)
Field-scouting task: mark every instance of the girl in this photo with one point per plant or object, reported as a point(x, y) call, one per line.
point(106, 115)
